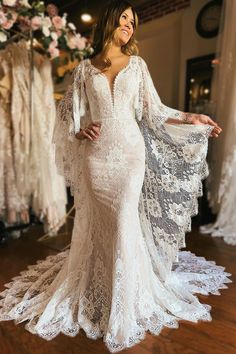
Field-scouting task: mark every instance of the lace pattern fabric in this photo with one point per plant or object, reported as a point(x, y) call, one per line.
point(135, 189)
point(27, 158)
point(13, 134)
point(51, 306)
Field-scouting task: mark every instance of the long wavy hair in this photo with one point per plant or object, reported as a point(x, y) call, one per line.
point(104, 31)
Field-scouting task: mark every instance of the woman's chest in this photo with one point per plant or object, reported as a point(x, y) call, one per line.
point(122, 87)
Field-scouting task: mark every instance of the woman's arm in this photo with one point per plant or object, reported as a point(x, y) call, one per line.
point(197, 119)
point(152, 108)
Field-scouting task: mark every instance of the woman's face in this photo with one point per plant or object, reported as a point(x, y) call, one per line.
point(126, 29)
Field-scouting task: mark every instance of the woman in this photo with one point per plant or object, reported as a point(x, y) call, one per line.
point(135, 169)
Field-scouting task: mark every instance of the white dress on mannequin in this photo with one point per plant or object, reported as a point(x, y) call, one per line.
point(135, 190)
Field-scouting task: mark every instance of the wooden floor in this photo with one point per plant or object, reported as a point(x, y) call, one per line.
point(216, 337)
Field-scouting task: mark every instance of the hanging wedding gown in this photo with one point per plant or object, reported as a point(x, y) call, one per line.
point(29, 177)
point(135, 190)
point(10, 202)
point(222, 180)
point(49, 198)
point(14, 195)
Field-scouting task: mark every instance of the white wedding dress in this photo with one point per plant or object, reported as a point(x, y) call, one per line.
point(27, 155)
point(135, 190)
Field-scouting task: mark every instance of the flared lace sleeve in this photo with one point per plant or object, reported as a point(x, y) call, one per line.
point(71, 111)
point(175, 165)
point(150, 106)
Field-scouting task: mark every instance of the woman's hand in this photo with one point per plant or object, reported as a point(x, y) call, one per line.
point(199, 119)
point(92, 132)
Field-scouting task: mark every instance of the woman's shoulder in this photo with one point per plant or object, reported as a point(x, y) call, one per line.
point(140, 61)
point(80, 66)
point(86, 63)
point(82, 63)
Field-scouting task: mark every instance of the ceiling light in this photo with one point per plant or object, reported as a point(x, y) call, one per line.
point(206, 91)
point(85, 17)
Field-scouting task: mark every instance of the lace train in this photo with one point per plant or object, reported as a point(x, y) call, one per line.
point(28, 297)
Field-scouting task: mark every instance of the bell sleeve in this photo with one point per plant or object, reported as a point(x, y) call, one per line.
point(71, 114)
point(149, 104)
point(175, 165)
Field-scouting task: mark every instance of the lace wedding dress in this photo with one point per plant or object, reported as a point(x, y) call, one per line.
point(27, 155)
point(135, 190)
point(222, 180)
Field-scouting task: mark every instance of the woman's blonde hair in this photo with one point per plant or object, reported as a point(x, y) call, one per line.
point(104, 31)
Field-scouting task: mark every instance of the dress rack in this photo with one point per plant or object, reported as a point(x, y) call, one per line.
point(5, 230)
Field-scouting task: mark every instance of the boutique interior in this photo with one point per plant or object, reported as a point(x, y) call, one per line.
point(190, 49)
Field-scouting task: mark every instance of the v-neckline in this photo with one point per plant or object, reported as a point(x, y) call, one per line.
point(111, 88)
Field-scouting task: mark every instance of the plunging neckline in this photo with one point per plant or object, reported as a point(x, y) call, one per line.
point(111, 87)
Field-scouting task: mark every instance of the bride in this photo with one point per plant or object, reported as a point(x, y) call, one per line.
point(135, 168)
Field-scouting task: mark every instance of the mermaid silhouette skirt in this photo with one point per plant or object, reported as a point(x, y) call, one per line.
point(105, 284)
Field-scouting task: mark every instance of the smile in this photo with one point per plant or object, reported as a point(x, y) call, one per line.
point(125, 32)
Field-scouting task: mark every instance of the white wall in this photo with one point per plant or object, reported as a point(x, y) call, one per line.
point(166, 44)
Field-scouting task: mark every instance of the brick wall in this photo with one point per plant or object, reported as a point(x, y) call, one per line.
point(153, 9)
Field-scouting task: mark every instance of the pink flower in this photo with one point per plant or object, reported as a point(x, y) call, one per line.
point(76, 41)
point(9, 2)
point(2, 17)
point(8, 24)
point(36, 23)
point(53, 50)
point(58, 22)
point(53, 44)
point(81, 43)
point(52, 10)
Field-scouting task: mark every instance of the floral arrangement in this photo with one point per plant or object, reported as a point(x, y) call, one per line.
point(53, 33)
